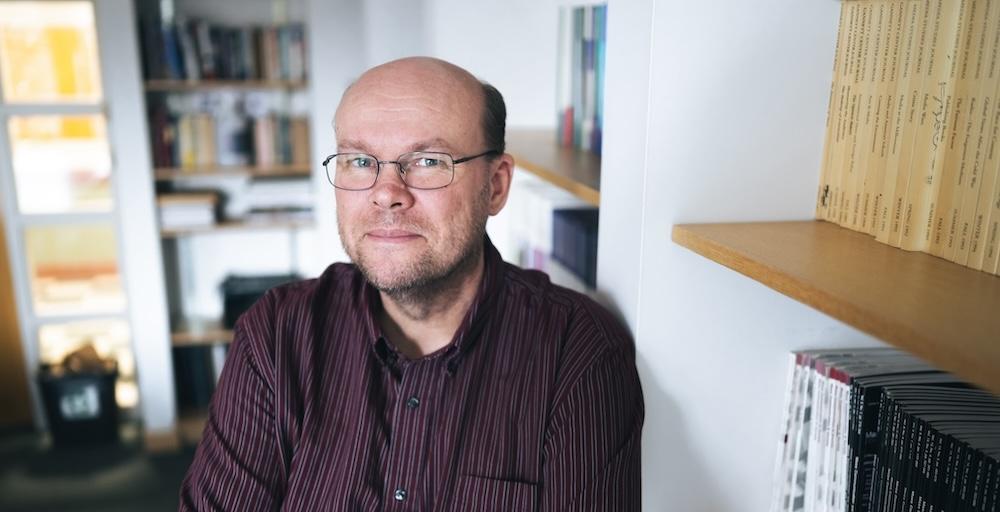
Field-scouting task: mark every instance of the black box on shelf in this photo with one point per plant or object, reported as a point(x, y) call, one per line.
point(80, 406)
point(240, 292)
point(574, 241)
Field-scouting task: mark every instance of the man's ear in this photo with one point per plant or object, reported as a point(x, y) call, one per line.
point(502, 171)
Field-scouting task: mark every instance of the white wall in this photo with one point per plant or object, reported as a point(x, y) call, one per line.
point(511, 44)
point(717, 115)
point(394, 29)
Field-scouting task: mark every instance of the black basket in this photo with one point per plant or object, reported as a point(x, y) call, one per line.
point(80, 407)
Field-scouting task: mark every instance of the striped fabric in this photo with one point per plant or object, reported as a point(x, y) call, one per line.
point(535, 405)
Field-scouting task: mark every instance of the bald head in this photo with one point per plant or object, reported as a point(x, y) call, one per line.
point(434, 89)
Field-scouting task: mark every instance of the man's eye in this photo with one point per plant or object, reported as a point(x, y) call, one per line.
point(428, 162)
point(361, 162)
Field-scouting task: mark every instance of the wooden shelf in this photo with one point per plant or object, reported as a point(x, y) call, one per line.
point(273, 171)
point(207, 85)
point(239, 225)
point(576, 171)
point(199, 331)
point(947, 314)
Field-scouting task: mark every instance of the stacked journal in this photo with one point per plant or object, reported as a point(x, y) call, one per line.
point(910, 155)
point(879, 430)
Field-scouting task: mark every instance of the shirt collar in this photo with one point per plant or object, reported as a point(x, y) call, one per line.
point(472, 323)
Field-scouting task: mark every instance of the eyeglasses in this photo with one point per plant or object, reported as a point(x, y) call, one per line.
point(422, 170)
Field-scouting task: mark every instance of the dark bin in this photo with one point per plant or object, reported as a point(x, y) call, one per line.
point(80, 407)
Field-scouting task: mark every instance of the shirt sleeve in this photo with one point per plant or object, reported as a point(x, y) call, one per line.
point(238, 465)
point(591, 454)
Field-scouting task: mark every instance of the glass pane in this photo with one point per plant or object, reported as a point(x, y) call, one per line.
point(62, 164)
point(110, 338)
point(74, 269)
point(48, 52)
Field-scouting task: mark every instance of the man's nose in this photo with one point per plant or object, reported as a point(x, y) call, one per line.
point(390, 191)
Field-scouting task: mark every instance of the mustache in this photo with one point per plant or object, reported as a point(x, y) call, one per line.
point(391, 221)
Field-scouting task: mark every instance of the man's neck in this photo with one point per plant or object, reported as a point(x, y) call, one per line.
point(424, 321)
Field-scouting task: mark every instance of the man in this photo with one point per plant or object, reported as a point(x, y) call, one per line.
point(429, 375)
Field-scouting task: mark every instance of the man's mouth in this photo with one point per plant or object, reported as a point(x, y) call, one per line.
point(391, 235)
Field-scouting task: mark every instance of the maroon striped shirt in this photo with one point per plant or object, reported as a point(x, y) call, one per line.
point(535, 405)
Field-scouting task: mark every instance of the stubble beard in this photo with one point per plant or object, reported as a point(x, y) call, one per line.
point(428, 277)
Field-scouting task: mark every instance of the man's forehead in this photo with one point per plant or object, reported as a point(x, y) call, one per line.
point(367, 146)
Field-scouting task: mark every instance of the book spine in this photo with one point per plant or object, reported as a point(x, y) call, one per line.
point(880, 478)
point(600, 57)
point(984, 75)
point(577, 73)
point(823, 194)
point(189, 52)
point(206, 51)
point(859, 100)
point(925, 180)
point(885, 114)
point(868, 146)
point(974, 206)
point(961, 130)
point(847, 96)
point(779, 487)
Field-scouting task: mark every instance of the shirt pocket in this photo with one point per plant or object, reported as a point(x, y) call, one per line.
point(476, 493)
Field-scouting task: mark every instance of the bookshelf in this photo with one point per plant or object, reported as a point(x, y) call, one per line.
point(229, 110)
point(164, 85)
point(942, 312)
point(574, 170)
point(239, 225)
point(199, 331)
point(271, 171)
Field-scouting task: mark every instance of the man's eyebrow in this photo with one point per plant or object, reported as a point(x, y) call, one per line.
point(435, 143)
point(352, 145)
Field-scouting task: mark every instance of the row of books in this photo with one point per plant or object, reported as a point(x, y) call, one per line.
point(199, 50)
point(580, 76)
point(541, 236)
point(878, 429)
point(910, 151)
point(200, 140)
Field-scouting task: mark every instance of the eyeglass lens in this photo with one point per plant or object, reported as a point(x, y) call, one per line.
point(422, 170)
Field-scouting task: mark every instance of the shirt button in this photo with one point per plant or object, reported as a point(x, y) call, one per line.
point(413, 402)
point(400, 494)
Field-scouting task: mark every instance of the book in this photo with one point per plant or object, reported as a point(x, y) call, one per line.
point(833, 116)
point(989, 162)
point(581, 54)
point(948, 17)
point(885, 114)
point(986, 77)
point(861, 57)
point(911, 97)
point(564, 81)
point(901, 71)
point(959, 138)
point(942, 450)
point(197, 49)
point(867, 429)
